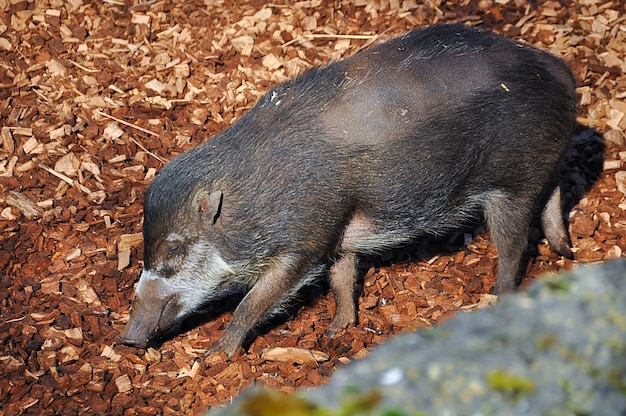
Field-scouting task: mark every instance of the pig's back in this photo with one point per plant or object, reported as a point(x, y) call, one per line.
point(389, 91)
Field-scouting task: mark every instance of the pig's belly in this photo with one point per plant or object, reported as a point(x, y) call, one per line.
point(377, 242)
point(366, 235)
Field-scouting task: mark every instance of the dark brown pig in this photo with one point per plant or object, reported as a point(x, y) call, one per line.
point(420, 135)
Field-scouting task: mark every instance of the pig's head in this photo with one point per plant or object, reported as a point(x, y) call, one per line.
point(183, 266)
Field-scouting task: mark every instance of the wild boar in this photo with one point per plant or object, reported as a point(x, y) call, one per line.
point(420, 135)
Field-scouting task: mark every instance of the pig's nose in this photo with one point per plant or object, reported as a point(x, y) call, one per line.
point(132, 342)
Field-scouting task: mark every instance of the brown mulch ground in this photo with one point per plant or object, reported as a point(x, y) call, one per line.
point(95, 96)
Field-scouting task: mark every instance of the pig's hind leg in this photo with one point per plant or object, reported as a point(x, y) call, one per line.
point(554, 226)
point(508, 220)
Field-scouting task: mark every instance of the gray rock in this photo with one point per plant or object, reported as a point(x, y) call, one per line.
point(557, 349)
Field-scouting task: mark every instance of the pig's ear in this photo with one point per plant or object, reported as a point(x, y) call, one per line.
point(208, 204)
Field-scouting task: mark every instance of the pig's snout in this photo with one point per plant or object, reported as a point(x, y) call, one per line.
point(140, 326)
point(131, 341)
point(147, 317)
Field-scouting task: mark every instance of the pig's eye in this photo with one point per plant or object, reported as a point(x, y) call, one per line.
point(174, 251)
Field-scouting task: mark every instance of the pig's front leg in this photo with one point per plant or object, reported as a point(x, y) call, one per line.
point(266, 293)
point(342, 278)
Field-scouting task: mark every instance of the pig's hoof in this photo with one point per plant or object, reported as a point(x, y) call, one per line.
point(221, 346)
point(503, 288)
point(336, 327)
point(219, 355)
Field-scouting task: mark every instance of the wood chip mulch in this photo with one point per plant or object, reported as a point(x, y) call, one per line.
point(96, 96)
